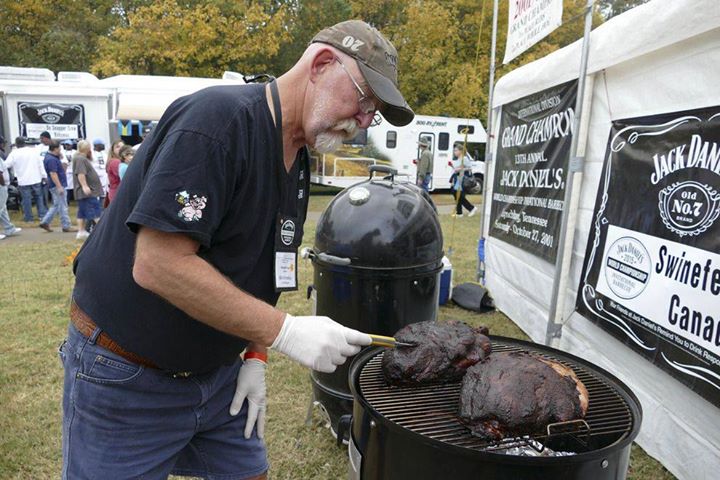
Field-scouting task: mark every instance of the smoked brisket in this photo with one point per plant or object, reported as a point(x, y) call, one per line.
point(515, 393)
point(441, 352)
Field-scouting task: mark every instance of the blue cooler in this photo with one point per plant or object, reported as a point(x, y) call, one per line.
point(445, 281)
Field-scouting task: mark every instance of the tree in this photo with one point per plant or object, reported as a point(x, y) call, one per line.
point(610, 8)
point(193, 38)
point(303, 22)
point(444, 47)
point(54, 34)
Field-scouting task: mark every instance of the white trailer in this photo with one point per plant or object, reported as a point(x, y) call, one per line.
point(71, 107)
point(79, 105)
point(398, 147)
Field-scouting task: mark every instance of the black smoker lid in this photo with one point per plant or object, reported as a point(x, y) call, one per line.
point(381, 223)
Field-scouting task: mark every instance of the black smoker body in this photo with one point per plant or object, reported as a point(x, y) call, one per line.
point(377, 260)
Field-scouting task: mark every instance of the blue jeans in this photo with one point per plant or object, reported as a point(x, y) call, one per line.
point(28, 193)
point(5, 222)
point(59, 207)
point(123, 420)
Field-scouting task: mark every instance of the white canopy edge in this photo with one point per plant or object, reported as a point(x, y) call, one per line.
point(639, 31)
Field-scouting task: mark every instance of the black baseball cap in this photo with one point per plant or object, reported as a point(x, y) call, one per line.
point(377, 59)
point(45, 134)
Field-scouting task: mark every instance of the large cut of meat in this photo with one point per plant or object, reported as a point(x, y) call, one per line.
point(516, 393)
point(441, 352)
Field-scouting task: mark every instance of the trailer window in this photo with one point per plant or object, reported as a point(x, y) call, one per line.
point(470, 129)
point(391, 139)
point(443, 141)
point(476, 150)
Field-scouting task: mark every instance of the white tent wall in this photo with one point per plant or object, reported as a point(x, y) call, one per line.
point(659, 57)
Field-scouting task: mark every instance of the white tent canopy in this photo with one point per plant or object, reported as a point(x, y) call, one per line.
point(660, 57)
point(145, 97)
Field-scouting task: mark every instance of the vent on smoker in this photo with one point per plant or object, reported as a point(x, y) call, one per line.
point(431, 410)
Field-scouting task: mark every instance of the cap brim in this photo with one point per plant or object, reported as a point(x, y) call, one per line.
point(396, 110)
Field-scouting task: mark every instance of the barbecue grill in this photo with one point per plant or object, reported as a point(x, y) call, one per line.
point(414, 432)
point(377, 259)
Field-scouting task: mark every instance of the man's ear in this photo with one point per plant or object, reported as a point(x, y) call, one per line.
point(322, 59)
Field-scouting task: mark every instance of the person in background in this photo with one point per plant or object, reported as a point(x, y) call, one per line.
point(183, 273)
point(57, 181)
point(68, 153)
point(88, 188)
point(99, 160)
point(5, 223)
point(3, 153)
point(424, 165)
point(462, 167)
point(30, 173)
point(113, 170)
point(42, 148)
point(127, 153)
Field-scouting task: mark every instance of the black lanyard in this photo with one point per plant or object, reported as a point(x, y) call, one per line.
point(293, 188)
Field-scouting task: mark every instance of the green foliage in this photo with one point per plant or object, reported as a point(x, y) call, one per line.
point(303, 23)
point(610, 8)
point(444, 46)
point(54, 34)
point(193, 39)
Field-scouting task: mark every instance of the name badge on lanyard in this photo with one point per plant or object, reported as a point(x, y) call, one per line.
point(293, 197)
point(286, 253)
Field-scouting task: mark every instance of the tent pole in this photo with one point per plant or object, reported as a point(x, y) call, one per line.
point(480, 272)
point(554, 330)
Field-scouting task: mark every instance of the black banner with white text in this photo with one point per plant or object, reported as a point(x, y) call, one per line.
point(652, 267)
point(531, 167)
point(61, 120)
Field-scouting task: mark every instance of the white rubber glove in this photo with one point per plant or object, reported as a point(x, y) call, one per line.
point(251, 385)
point(318, 342)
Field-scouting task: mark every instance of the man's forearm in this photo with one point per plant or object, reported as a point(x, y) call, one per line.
point(83, 181)
point(197, 288)
point(56, 180)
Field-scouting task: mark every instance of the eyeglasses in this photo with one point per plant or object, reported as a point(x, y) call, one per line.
point(367, 105)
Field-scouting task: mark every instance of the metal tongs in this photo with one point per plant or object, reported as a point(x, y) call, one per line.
point(389, 342)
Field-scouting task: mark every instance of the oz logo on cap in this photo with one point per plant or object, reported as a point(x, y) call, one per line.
point(287, 232)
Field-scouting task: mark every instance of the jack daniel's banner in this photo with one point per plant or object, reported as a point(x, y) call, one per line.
point(652, 267)
point(531, 164)
point(62, 121)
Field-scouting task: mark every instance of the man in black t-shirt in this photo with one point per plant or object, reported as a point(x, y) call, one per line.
point(182, 274)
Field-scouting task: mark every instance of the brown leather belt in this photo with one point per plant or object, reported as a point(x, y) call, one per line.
point(86, 326)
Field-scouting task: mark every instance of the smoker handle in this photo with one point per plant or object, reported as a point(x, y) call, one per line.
point(382, 168)
point(343, 427)
point(332, 259)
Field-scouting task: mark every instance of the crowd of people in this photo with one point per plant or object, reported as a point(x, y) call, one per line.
point(51, 174)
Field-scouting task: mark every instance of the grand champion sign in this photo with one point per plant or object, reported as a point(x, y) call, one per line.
point(652, 268)
point(531, 168)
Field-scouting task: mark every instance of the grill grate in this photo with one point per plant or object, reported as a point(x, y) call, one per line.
point(431, 410)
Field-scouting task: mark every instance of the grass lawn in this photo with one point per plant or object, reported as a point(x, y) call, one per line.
point(36, 285)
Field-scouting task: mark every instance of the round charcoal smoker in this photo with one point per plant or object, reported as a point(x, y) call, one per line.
point(377, 260)
point(414, 433)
